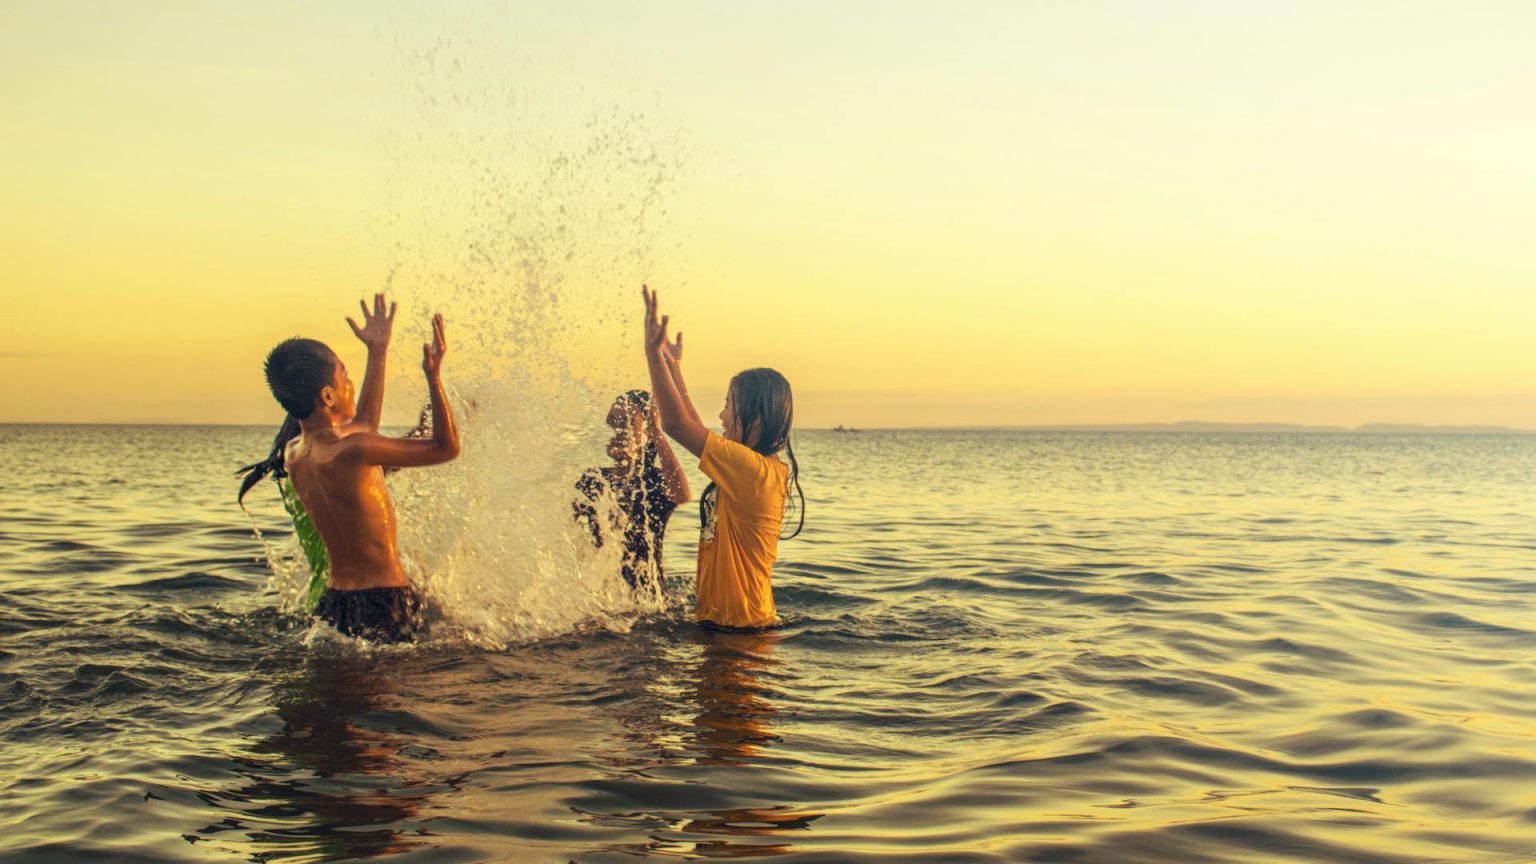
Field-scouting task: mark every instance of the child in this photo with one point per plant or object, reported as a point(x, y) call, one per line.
point(333, 454)
point(742, 510)
point(647, 483)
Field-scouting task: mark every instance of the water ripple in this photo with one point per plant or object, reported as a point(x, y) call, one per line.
point(996, 647)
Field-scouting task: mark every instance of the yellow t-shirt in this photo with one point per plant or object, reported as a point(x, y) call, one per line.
point(737, 548)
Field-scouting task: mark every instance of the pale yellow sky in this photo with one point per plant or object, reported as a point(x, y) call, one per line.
point(1001, 213)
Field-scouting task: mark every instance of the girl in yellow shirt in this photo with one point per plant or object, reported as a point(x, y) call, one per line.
point(742, 510)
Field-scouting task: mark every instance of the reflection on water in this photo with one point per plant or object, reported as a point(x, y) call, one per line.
point(999, 647)
point(733, 697)
point(367, 762)
point(329, 785)
point(726, 714)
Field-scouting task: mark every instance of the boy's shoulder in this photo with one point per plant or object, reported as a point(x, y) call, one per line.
point(297, 449)
point(322, 449)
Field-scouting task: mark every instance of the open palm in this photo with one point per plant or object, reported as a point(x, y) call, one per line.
point(376, 325)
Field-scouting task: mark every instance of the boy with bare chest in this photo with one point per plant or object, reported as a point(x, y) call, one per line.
point(332, 453)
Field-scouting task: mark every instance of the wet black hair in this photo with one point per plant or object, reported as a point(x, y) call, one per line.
point(297, 370)
point(763, 399)
point(640, 401)
point(273, 464)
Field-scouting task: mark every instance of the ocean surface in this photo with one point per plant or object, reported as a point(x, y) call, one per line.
point(997, 646)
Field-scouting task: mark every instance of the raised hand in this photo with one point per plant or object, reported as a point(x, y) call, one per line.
point(432, 352)
point(655, 329)
point(674, 350)
point(679, 419)
point(376, 326)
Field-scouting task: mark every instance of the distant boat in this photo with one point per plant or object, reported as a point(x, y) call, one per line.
point(842, 428)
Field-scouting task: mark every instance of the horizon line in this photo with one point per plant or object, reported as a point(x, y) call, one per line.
point(1174, 426)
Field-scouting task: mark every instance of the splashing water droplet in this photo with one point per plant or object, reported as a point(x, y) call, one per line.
point(529, 229)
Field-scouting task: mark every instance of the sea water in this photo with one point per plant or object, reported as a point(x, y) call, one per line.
point(997, 646)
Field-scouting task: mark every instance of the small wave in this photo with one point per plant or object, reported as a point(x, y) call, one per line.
point(1456, 621)
point(187, 582)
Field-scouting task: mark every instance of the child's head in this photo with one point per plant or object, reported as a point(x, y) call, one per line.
point(306, 375)
point(759, 410)
point(629, 418)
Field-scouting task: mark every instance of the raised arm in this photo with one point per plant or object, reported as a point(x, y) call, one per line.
point(678, 418)
point(376, 449)
point(674, 357)
point(674, 481)
point(375, 334)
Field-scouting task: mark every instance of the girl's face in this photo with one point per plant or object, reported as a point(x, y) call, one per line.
point(628, 432)
point(728, 417)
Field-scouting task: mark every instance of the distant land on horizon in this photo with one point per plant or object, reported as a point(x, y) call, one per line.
point(1205, 426)
point(1182, 426)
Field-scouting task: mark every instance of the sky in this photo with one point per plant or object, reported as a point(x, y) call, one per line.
point(1006, 213)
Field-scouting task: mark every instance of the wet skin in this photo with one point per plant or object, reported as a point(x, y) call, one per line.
point(350, 505)
point(336, 464)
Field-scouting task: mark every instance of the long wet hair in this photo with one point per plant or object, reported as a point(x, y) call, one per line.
point(762, 398)
point(297, 370)
point(639, 402)
point(272, 465)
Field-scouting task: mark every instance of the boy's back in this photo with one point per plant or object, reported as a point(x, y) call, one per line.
point(350, 506)
point(334, 457)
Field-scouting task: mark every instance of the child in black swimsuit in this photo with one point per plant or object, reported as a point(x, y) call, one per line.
point(647, 483)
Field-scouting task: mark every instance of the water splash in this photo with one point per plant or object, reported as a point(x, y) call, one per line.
point(529, 219)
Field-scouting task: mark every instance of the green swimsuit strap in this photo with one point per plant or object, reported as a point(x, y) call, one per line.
point(310, 542)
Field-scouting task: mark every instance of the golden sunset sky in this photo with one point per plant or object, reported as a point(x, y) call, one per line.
point(924, 214)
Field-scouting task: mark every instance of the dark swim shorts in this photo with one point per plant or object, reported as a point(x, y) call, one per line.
point(375, 614)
